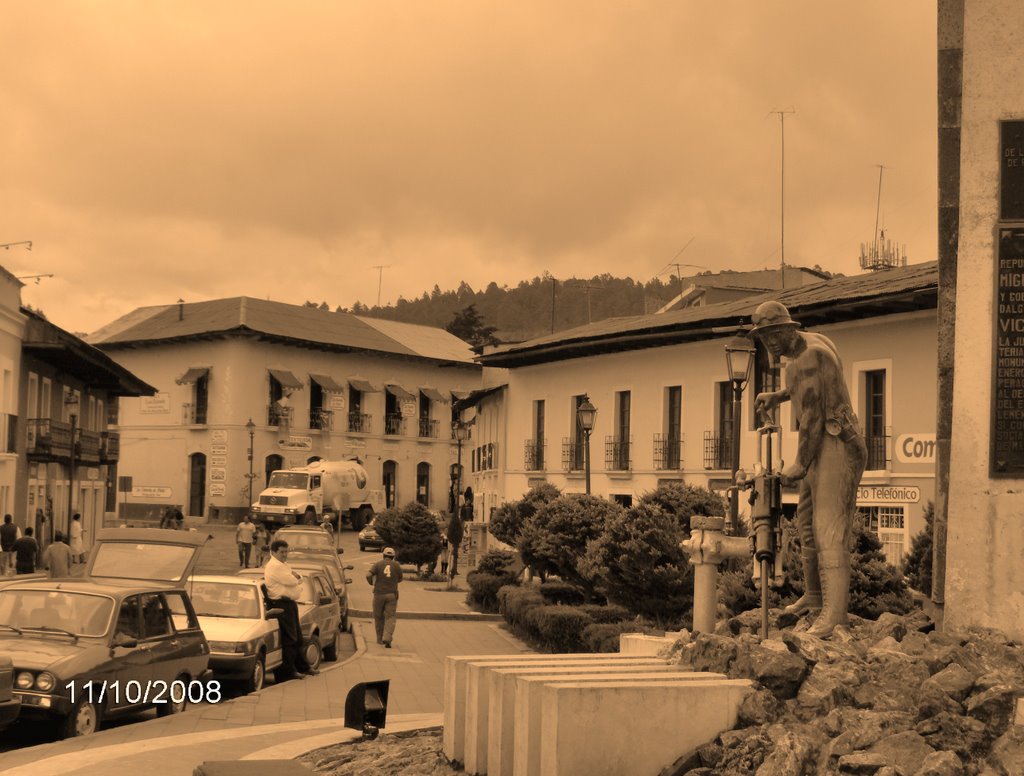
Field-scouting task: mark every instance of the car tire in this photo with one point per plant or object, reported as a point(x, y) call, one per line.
point(362, 547)
point(169, 708)
point(309, 518)
point(312, 652)
point(331, 653)
point(259, 675)
point(84, 720)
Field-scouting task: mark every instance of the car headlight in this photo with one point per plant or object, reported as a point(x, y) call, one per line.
point(223, 646)
point(24, 681)
point(45, 682)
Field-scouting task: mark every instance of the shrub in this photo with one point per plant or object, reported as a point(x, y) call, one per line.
point(738, 593)
point(560, 628)
point(555, 538)
point(917, 566)
point(604, 614)
point(561, 593)
point(876, 586)
point(683, 501)
point(508, 519)
point(515, 603)
point(500, 563)
point(412, 531)
point(483, 590)
point(637, 563)
point(604, 636)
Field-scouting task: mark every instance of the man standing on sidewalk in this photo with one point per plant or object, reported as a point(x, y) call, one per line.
point(244, 535)
point(385, 575)
point(9, 534)
point(284, 589)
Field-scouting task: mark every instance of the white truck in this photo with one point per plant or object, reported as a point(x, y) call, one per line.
point(305, 495)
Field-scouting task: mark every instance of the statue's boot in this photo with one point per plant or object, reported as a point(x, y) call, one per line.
point(834, 568)
point(811, 599)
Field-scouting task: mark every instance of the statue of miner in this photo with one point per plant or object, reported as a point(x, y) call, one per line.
point(830, 460)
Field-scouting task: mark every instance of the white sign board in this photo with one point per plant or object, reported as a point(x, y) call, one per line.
point(868, 495)
point(157, 404)
point(217, 489)
point(337, 401)
point(218, 460)
point(296, 443)
point(218, 449)
point(219, 436)
point(409, 408)
point(218, 475)
point(150, 491)
point(915, 448)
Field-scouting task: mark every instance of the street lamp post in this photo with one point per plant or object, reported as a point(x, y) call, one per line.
point(251, 428)
point(71, 401)
point(739, 356)
point(586, 415)
point(461, 435)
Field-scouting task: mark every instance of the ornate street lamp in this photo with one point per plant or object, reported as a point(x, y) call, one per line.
point(71, 402)
point(586, 416)
point(739, 357)
point(251, 428)
point(461, 432)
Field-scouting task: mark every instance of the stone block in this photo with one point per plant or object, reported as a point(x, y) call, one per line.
point(642, 644)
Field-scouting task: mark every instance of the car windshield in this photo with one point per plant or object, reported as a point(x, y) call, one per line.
point(307, 540)
point(290, 480)
point(134, 560)
point(78, 613)
point(224, 599)
point(331, 569)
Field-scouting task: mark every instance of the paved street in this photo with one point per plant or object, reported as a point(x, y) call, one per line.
point(293, 711)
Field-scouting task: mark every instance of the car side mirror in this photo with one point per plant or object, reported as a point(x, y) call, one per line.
point(325, 599)
point(124, 640)
point(273, 614)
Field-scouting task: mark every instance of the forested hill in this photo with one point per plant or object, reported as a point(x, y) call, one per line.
point(525, 311)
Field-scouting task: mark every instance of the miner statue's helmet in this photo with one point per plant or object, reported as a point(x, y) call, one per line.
point(771, 315)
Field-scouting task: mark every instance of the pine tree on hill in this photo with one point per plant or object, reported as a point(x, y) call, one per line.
point(469, 327)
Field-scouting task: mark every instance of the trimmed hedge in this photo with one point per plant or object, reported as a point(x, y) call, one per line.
point(560, 628)
point(604, 636)
point(514, 603)
point(483, 590)
point(561, 593)
point(603, 615)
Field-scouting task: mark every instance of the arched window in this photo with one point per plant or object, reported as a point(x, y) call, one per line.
point(389, 477)
point(423, 483)
point(197, 485)
point(273, 463)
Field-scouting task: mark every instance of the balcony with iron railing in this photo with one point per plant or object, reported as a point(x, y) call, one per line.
point(193, 415)
point(717, 450)
point(429, 429)
point(533, 455)
point(394, 424)
point(572, 455)
point(47, 439)
point(617, 454)
point(668, 452)
point(321, 419)
point(279, 416)
point(110, 446)
point(87, 446)
point(878, 452)
point(359, 423)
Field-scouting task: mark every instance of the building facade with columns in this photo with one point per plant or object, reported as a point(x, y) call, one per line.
point(312, 383)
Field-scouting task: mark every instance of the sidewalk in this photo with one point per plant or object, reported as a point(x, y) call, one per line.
point(303, 714)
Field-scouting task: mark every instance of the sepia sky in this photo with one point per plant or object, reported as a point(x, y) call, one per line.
point(164, 150)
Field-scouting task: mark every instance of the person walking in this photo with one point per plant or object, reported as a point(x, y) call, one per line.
point(244, 535)
point(9, 534)
point(284, 589)
point(261, 543)
point(58, 557)
point(385, 575)
point(76, 531)
point(26, 553)
point(467, 506)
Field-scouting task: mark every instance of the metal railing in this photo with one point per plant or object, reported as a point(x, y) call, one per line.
point(617, 454)
point(87, 445)
point(321, 419)
point(279, 416)
point(193, 415)
point(878, 452)
point(394, 424)
point(533, 455)
point(429, 429)
point(48, 437)
point(717, 451)
point(668, 452)
point(359, 423)
point(110, 446)
point(572, 455)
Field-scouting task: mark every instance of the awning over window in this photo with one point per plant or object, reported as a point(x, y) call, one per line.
point(363, 386)
point(328, 383)
point(286, 378)
point(400, 392)
point(433, 394)
point(460, 395)
point(192, 375)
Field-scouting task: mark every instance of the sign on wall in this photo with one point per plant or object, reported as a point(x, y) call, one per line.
point(219, 436)
point(150, 491)
point(409, 408)
point(157, 404)
point(218, 460)
point(337, 401)
point(915, 448)
point(218, 449)
point(1011, 178)
point(218, 475)
point(296, 443)
point(1006, 456)
point(217, 489)
point(888, 494)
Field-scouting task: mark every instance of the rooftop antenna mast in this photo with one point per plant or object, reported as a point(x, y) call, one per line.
point(782, 198)
point(380, 278)
point(881, 253)
point(8, 246)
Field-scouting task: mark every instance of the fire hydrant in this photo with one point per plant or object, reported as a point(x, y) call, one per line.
point(708, 546)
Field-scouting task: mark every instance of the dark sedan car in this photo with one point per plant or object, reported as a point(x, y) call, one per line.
point(122, 638)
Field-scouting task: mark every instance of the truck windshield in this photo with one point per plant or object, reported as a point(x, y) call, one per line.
point(290, 480)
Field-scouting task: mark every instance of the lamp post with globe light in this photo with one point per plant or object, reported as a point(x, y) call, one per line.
point(586, 416)
point(739, 357)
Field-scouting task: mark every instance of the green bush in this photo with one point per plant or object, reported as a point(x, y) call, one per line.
point(604, 636)
point(917, 565)
point(508, 519)
point(876, 585)
point(498, 562)
point(683, 501)
point(637, 562)
point(560, 628)
point(604, 614)
point(556, 592)
point(738, 593)
point(412, 531)
point(515, 603)
point(483, 590)
point(556, 537)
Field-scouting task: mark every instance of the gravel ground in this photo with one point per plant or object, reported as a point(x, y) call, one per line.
point(416, 753)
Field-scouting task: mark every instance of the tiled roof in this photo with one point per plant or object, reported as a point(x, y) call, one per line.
point(858, 296)
point(307, 325)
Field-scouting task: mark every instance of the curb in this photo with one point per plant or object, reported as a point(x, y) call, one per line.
point(365, 614)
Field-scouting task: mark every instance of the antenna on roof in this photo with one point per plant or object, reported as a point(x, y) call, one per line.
point(380, 278)
point(782, 195)
point(8, 246)
point(881, 253)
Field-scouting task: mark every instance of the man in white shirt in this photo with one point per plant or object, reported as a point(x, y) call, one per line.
point(244, 534)
point(284, 588)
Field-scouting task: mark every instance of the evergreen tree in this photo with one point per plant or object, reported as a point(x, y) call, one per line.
point(468, 326)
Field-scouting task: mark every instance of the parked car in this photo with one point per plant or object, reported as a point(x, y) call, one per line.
point(10, 704)
point(124, 637)
point(370, 539)
point(319, 613)
point(335, 571)
point(244, 637)
point(308, 538)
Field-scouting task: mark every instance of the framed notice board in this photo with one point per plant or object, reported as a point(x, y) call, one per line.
point(1011, 171)
point(1006, 457)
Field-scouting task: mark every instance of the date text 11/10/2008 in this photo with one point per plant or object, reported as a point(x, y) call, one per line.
point(159, 692)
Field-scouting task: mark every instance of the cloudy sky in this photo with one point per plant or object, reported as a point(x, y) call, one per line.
point(163, 150)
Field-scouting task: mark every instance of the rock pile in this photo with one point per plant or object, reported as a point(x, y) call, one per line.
point(887, 697)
